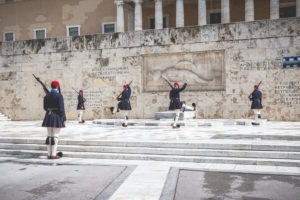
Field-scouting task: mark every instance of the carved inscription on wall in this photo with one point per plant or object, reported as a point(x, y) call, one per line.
point(204, 71)
point(93, 97)
point(109, 73)
point(260, 65)
point(289, 92)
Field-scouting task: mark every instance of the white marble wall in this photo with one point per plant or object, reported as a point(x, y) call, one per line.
point(100, 64)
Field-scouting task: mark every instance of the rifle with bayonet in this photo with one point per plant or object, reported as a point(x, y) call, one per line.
point(170, 84)
point(254, 90)
point(43, 85)
point(84, 99)
point(124, 89)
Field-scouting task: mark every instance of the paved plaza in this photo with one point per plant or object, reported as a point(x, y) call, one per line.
point(204, 159)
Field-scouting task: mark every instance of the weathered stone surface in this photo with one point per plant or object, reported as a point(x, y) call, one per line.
point(7, 48)
point(205, 71)
point(256, 29)
point(284, 27)
point(227, 32)
point(222, 63)
point(209, 33)
point(90, 41)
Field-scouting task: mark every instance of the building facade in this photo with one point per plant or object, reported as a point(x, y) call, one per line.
point(39, 19)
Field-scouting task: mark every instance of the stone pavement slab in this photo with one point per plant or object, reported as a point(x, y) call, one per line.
point(146, 182)
point(200, 185)
point(51, 182)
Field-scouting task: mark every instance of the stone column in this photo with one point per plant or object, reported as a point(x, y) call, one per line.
point(120, 15)
point(130, 16)
point(274, 6)
point(249, 10)
point(138, 15)
point(298, 8)
point(179, 13)
point(202, 12)
point(225, 11)
point(158, 14)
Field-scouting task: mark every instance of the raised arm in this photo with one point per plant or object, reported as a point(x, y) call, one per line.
point(181, 89)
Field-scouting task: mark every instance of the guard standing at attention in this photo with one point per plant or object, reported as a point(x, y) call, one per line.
point(80, 106)
point(55, 119)
point(256, 105)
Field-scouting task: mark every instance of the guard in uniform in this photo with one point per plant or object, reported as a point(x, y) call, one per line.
point(54, 120)
point(80, 106)
point(256, 105)
point(175, 103)
point(124, 104)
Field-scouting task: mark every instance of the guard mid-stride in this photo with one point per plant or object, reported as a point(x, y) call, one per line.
point(54, 120)
point(80, 106)
point(256, 105)
point(124, 104)
point(175, 103)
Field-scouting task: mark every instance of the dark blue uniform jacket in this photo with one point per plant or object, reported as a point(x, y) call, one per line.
point(256, 100)
point(55, 110)
point(80, 105)
point(175, 98)
point(124, 103)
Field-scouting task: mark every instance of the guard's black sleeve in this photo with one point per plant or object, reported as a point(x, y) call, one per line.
point(181, 89)
point(45, 104)
point(62, 108)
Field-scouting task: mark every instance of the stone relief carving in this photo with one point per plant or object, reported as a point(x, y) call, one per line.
point(203, 70)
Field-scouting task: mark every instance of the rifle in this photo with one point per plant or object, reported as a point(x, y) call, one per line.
point(124, 90)
point(84, 99)
point(254, 89)
point(170, 84)
point(43, 85)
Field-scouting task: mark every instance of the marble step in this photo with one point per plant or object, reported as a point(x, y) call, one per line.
point(150, 123)
point(204, 144)
point(160, 151)
point(3, 117)
point(169, 122)
point(171, 158)
point(172, 115)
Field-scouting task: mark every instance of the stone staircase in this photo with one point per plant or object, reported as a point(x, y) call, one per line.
point(3, 117)
point(278, 153)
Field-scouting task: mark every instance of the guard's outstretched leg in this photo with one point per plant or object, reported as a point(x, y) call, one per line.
point(176, 119)
point(114, 110)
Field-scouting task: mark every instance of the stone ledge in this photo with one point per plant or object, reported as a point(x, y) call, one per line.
point(195, 34)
